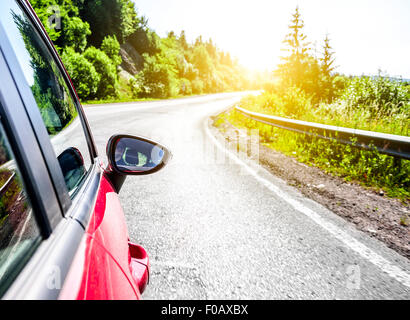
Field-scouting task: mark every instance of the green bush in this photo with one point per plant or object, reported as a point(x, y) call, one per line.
point(185, 87)
point(158, 77)
point(291, 103)
point(197, 86)
point(145, 41)
point(135, 87)
point(379, 95)
point(108, 84)
point(111, 47)
point(83, 74)
point(202, 61)
point(75, 33)
point(296, 102)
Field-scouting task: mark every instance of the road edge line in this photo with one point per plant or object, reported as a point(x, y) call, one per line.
point(386, 266)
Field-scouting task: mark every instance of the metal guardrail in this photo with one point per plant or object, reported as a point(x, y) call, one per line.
point(393, 145)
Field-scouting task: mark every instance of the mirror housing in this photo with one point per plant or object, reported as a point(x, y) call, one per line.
point(131, 155)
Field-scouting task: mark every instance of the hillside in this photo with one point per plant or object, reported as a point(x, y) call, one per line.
point(111, 53)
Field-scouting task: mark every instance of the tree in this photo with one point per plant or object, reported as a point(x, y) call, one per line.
point(294, 68)
point(328, 87)
point(111, 48)
point(145, 41)
point(62, 23)
point(82, 72)
point(182, 40)
point(75, 33)
point(106, 69)
point(198, 41)
point(327, 66)
point(202, 61)
point(327, 58)
point(210, 47)
point(110, 17)
point(171, 35)
point(300, 68)
point(100, 33)
point(158, 77)
point(296, 39)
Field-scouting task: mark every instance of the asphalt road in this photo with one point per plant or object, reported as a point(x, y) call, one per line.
point(221, 229)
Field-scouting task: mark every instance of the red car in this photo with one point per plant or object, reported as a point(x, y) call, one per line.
point(62, 229)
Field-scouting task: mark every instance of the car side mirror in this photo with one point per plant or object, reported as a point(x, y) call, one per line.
point(130, 155)
point(72, 165)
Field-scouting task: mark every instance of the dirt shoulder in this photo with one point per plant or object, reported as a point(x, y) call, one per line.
point(369, 210)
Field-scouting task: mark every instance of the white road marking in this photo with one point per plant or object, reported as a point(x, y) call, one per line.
point(352, 243)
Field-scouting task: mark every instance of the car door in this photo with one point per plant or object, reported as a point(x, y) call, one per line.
point(39, 270)
point(83, 247)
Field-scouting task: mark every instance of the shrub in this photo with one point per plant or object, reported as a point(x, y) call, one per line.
point(82, 72)
point(296, 102)
point(158, 77)
point(292, 102)
point(145, 41)
point(108, 85)
point(202, 61)
point(75, 33)
point(197, 86)
point(111, 47)
point(378, 95)
point(185, 87)
point(135, 87)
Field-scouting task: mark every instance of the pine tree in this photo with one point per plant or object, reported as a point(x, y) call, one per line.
point(211, 48)
point(293, 70)
point(327, 58)
point(198, 41)
point(296, 39)
point(327, 66)
point(300, 68)
point(183, 41)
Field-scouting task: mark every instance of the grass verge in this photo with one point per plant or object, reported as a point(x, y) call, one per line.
point(367, 168)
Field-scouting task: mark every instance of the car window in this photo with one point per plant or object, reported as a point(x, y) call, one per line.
point(19, 233)
point(54, 100)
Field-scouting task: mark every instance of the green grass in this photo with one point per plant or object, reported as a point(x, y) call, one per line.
point(340, 113)
point(360, 118)
point(374, 104)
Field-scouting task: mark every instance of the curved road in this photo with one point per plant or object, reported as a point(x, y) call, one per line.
point(216, 227)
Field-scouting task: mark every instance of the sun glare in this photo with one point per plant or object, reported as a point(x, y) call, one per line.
point(366, 35)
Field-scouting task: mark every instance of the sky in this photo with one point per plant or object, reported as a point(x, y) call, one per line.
point(367, 35)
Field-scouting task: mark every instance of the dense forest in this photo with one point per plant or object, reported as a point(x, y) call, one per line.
point(111, 53)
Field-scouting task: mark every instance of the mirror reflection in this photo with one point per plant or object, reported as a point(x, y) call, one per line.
point(132, 154)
